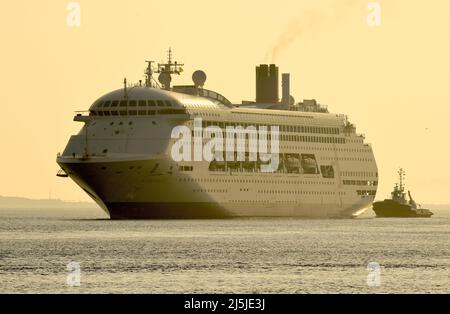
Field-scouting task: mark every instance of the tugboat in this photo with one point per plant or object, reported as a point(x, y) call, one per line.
point(398, 206)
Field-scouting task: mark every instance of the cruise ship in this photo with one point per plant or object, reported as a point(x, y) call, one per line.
point(123, 156)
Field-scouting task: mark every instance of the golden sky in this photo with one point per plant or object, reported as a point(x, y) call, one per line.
point(392, 80)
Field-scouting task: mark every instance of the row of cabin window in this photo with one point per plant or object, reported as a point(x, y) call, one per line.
point(358, 174)
point(136, 112)
point(313, 139)
point(297, 192)
point(134, 103)
point(346, 158)
point(222, 180)
point(291, 138)
point(283, 128)
point(366, 192)
point(359, 182)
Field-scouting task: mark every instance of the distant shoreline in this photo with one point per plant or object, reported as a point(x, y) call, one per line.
point(7, 202)
point(27, 203)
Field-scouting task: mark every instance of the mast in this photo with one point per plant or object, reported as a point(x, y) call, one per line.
point(401, 187)
point(125, 89)
point(148, 74)
point(401, 174)
point(166, 70)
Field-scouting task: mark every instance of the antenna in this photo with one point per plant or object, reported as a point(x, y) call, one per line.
point(165, 70)
point(125, 90)
point(401, 174)
point(149, 74)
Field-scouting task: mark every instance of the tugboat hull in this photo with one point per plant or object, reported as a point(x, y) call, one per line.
point(389, 208)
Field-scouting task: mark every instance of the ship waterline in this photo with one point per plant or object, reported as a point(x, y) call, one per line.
point(122, 157)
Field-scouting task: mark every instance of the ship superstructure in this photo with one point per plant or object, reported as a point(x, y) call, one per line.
point(123, 158)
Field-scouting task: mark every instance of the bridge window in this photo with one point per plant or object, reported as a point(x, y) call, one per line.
point(123, 103)
point(160, 103)
point(132, 103)
point(142, 103)
point(151, 103)
point(115, 103)
point(107, 104)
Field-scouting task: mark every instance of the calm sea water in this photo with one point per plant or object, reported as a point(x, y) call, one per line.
point(221, 256)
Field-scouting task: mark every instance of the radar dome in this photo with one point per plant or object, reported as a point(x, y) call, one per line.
point(165, 79)
point(199, 78)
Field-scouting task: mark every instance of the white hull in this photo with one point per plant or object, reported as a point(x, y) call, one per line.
point(122, 159)
point(130, 185)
